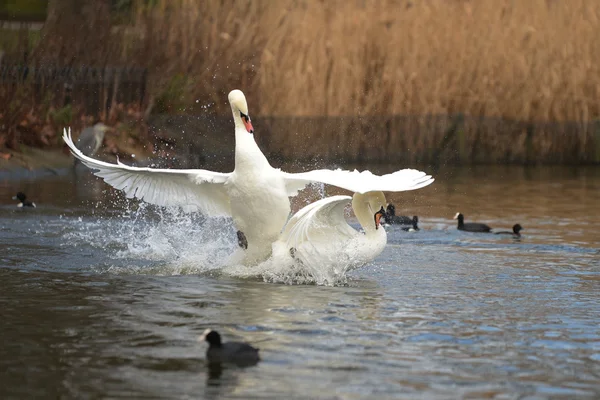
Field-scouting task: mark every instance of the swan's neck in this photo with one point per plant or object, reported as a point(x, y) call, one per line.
point(237, 120)
point(364, 214)
point(247, 152)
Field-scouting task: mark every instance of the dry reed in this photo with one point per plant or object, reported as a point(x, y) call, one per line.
point(516, 62)
point(531, 61)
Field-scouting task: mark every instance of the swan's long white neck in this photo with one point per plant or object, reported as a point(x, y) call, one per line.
point(237, 120)
point(247, 151)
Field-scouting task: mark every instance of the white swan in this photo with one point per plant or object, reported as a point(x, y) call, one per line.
point(255, 194)
point(324, 246)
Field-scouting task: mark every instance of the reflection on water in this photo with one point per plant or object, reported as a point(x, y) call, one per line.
point(101, 301)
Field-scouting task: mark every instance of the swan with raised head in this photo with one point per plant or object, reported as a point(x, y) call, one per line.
point(324, 246)
point(255, 194)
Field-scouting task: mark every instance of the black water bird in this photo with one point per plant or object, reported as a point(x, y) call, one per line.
point(237, 353)
point(393, 219)
point(470, 226)
point(23, 200)
point(413, 228)
point(516, 229)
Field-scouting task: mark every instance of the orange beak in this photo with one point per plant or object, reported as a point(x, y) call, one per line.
point(247, 124)
point(378, 216)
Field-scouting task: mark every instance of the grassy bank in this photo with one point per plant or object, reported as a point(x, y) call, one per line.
point(531, 67)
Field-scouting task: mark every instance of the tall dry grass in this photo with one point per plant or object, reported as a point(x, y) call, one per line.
point(210, 46)
point(526, 60)
point(529, 62)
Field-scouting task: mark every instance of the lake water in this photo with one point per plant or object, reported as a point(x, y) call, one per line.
point(102, 298)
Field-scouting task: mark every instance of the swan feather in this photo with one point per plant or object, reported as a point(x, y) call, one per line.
point(359, 182)
point(319, 221)
point(191, 189)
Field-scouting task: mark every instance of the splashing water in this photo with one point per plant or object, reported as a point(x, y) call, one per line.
point(179, 243)
point(280, 268)
point(166, 241)
point(320, 188)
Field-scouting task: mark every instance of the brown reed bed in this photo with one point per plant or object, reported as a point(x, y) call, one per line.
point(534, 63)
point(534, 60)
point(429, 81)
point(531, 60)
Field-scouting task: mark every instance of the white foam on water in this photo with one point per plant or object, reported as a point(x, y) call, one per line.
point(282, 268)
point(166, 241)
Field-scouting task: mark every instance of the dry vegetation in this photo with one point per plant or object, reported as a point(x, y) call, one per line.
point(525, 74)
point(530, 61)
point(537, 59)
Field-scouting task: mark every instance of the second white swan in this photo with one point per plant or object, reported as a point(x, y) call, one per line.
point(324, 246)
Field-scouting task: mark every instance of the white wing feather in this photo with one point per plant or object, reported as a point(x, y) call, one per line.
point(321, 222)
point(191, 189)
point(361, 182)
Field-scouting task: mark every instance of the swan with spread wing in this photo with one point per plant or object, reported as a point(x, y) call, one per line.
point(255, 194)
point(324, 246)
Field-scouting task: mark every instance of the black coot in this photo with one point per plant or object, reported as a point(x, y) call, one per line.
point(471, 226)
point(391, 217)
point(238, 353)
point(23, 200)
point(414, 227)
point(515, 232)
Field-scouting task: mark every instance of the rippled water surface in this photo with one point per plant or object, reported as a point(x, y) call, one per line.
point(102, 298)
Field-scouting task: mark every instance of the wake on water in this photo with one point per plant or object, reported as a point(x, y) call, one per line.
point(166, 241)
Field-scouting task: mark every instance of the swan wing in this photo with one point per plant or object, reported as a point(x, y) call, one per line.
point(321, 222)
point(361, 182)
point(191, 189)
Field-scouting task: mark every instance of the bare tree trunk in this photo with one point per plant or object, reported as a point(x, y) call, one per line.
point(75, 32)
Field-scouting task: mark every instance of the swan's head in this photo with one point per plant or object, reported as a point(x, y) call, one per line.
point(458, 216)
point(239, 108)
point(369, 207)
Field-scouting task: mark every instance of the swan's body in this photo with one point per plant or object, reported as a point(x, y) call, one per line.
point(324, 245)
point(258, 198)
point(255, 194)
